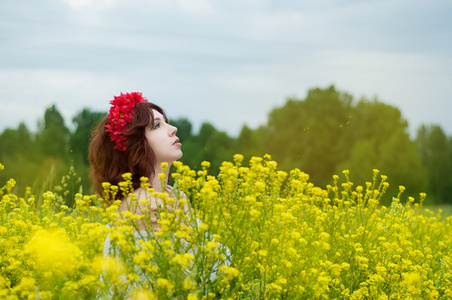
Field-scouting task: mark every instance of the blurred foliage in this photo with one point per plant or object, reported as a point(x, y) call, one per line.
point(323, 134)
point(43, 160)
point(79, 140)
point(435, 149)
point(327, 132)
point(309, 134)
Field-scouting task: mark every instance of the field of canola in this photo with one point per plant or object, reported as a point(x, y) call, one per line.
point(253, 233)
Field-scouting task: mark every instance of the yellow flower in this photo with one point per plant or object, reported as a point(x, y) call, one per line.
point(287, 238)
point(411, 278)
point(274, 287)
point(254, 214)
point(203, 226)
point(192, 296)
point(142, 294)
point(238, 158)
point(211, 245)
point(184, 260)
point(295, 235)
point(230, 272)
point(165, 284)
point(189, 284)
point(205, 164)
point(113, 269)
point(53, 251)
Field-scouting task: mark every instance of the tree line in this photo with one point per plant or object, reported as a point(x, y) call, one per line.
point(326, 132)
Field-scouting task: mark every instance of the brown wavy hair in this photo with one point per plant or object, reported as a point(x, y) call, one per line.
point(109, 164)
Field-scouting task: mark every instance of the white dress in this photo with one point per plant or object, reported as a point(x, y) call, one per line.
point(108, 249)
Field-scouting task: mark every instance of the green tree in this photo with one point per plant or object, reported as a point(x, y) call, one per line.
point(18, 154)
point(52, 146)
point(435, 149)
point(326, 133)
point(208, 145)
point(184, 128)
point(375, 120)
point(401, 162)
point(85, 121)
point(53, 135)
point(14, 142)
point(248, 142)
point(307, 133)
point(189, 146)
point(377, 138)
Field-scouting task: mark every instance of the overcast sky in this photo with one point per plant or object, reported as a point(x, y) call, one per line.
point(225, 62)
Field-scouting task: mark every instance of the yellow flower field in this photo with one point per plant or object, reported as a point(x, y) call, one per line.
point(254, 232)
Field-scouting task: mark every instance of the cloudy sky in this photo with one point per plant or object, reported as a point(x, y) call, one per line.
point(225, 62)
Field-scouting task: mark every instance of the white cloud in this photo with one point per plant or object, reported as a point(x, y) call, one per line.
point(83, 4)
point(227, 62)
point(192, 7)
point(195, 7)
point(27, 93)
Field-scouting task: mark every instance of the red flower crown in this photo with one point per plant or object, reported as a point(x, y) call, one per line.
point(121, 114)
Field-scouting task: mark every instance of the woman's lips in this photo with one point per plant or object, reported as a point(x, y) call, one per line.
point(177, 143)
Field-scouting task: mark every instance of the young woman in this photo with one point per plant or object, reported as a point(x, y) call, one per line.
point(135, 137)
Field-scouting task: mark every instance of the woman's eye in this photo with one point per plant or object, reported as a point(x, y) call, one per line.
point(156, 126)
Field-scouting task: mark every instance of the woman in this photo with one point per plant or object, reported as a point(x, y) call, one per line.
point(135, 137)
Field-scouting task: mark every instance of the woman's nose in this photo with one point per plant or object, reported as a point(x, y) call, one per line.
point(173, 129)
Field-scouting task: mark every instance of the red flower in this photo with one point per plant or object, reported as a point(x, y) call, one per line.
point(121, 114)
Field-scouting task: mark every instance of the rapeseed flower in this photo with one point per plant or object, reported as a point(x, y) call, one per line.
point(53, 251)
point(251, 232)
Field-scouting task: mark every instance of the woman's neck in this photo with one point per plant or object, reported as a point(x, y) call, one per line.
point(156, 182)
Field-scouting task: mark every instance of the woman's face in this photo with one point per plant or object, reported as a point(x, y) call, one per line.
point(163, 140)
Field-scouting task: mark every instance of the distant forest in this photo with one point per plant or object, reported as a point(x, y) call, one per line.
point(323, 134)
